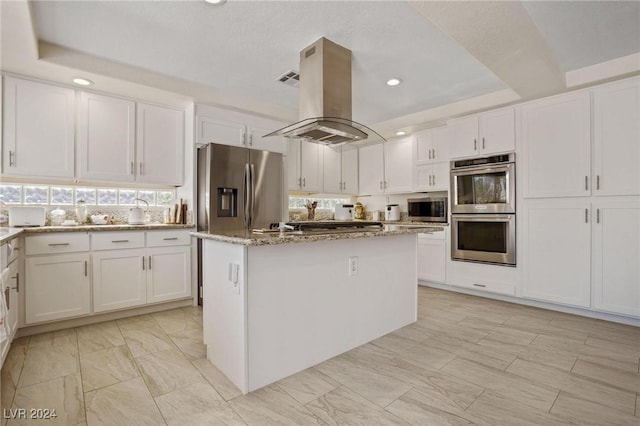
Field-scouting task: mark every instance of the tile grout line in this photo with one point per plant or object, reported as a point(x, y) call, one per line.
point(554, 401)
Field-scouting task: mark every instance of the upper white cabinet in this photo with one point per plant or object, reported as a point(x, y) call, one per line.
point(483, 134)
point(432, 145)
point(556, 141)
point(340, 170)
point(38, 129)
point(616, 125)
point(386, 168)
point(160, 145)
point(215, 125)
point(304, 166)
point(431, 177)
point(106, 138)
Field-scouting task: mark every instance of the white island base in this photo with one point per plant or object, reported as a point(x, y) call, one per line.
point(273, 310)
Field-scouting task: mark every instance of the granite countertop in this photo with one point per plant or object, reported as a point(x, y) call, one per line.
point(9, 233)
point(254, 239)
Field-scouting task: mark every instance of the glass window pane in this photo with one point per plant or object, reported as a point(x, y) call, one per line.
point(107, 197)
point(127, 197)
point(36, 194)
point(86, 194)
point(61, 196)
point(11, 194)
point(148, 196)
point(165, 198)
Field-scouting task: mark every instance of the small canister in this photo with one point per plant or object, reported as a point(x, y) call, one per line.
point(57, 216)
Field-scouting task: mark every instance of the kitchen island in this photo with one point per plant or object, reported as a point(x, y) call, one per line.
point(275, 304)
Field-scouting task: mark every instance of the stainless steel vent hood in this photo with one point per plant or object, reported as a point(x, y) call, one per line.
point(325, 97)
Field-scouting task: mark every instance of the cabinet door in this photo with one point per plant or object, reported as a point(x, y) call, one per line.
point(398, 165)
point(212, 130)
point(160, 145)
point(349, 171)
point(332, 169)
point(432, 259)
point(294, 181)
point(371, 169)
point(57, 287)
point(616, 250)
point(557, 250)
point(38, 129)
point(168, 273)
point(424, 146)
point(440, 180)
point(272, 143)
point(616, 118)
point(556, 146)
point(13, 305)
point(119, 279)
point(432, 145)
point(463, 137)
point(497, 131)
point(311, 166)
point(106, 138)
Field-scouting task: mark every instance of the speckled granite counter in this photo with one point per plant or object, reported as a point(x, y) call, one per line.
point(9, 233)
point(253, 239)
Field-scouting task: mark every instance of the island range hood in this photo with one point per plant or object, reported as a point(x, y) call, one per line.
point(325, 97)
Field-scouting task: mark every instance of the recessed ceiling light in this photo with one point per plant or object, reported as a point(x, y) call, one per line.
point(401, 133)
point(82, 81)
point(393, 82)
point(215, 1)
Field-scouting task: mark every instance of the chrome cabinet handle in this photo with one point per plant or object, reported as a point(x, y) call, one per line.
point(429, 180)
point(586, 183)
point(299, 181)
point(58, 244)
point(149, 262)
point(251, 139)
point(131, 171)
point(598, 182)
point(7, 297)
point(586, 215)
point(140, 169)
point(304, 182)
point(143, 264)
point(17, 287)
point(119, 241)
point(475, 144)
point(597, 215)
point(434, 153)
point(12, 158)
point(479, 285)
point(170, 239)
point(434, 180)
point(483, 143)
point(85, 268)
point(430, 156)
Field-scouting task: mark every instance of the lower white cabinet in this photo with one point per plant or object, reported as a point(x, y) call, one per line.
point(57, 287)
point(616, 254)
point(168, 273)
point(432, 257)
point(119, 279)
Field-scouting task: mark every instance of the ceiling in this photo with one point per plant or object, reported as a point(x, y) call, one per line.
point(452, 57)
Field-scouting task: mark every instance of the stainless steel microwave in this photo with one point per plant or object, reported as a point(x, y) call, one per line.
point(432, 208)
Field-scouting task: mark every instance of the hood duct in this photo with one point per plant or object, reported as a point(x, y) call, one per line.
point(325, 97)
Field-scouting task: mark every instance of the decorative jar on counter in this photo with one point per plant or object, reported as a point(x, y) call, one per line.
point(57, 216)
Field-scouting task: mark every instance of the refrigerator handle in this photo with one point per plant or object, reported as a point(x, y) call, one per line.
point(246, 203)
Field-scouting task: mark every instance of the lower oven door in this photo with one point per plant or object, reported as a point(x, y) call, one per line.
point(484, 238)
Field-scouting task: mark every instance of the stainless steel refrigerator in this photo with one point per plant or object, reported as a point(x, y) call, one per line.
point(239, 189)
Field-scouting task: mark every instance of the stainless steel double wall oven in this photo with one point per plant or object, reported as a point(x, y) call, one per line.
point(483, 210)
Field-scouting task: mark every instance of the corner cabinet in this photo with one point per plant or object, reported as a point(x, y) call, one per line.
point(38, 129)
point(484, 134)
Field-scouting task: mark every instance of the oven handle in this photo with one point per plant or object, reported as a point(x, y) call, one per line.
point(483, 217)
point(476, 169)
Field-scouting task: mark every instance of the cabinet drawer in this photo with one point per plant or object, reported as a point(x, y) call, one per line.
point(117, 240)
point(439, 235)
point(56, 243)
point(168, 238)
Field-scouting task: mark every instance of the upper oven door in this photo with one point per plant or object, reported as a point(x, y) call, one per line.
point(484, 189)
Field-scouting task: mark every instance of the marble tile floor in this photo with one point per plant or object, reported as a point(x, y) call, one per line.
point(466, 361)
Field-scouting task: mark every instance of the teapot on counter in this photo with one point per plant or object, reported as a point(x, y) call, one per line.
point(138, 215)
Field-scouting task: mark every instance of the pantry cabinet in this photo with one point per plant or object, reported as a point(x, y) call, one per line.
point(304, 166)
point(38, 129)
point(616, 250)
point(106, 138)
point(159, 145)
point(386, 168)
point(483, 134)
point(340, 170)
point(556, 146)
point(616, 138)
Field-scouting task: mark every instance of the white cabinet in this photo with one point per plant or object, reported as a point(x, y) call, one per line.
point(432, 145)
point(432, 256)
point(160, 145)
point(386, 168)
point(106, 138)
point(38, 129)
point(556, 140)
point(616, 251)
point(126, 274)
point(557, 250)
point(215, 125)
point(11, 297)
point(616, 125)
point(484, 134)
point(432, 177)
point(304, 166)
point(340, 170)
point(57, 287)
point(371, 169)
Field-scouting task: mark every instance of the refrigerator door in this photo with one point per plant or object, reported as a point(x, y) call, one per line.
point(266, 172)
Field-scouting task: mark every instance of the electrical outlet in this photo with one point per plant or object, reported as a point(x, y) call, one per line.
point(353, 265)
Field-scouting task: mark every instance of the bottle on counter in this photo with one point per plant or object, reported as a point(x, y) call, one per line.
point(81, 212)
